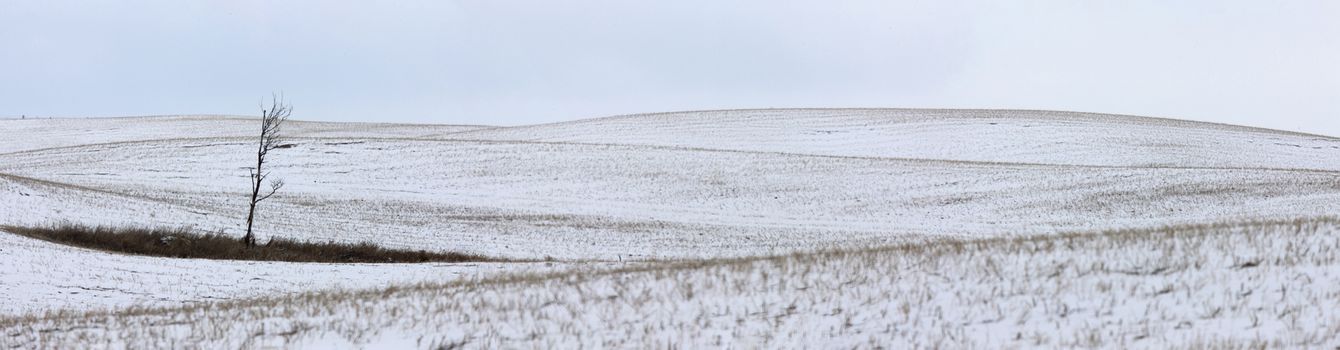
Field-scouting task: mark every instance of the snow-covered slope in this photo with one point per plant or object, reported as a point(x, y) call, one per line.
point(527, 200)
point(38, 276)
point(1010, 136)
point(668, 186)
point(41, 276)
point(1243, 285)
point(30, 134)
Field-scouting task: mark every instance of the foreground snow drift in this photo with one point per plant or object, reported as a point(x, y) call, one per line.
point(1231, 285)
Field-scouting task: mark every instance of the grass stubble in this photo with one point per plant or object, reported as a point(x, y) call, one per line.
point(184, 243)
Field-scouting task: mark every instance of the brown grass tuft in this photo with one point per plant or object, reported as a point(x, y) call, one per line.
point(183, 243)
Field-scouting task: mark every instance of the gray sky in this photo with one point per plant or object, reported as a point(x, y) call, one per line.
point(1271, 64)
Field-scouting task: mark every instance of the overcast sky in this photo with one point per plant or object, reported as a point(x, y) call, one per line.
point(1271, 64)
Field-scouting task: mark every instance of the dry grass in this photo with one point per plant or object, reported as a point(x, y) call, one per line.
point(183, 243)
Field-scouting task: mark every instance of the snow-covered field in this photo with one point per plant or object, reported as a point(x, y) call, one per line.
point(40, 276)
point(653, 203)
point(1243, 285)
point(1002, 136)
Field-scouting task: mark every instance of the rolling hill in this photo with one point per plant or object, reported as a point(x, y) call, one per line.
point(628, 197)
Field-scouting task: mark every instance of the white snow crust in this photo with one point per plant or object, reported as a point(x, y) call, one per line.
point(657, 222)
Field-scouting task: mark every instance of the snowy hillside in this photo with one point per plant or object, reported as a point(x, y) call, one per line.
point(1006, 136)
point(1244, 285)
point(630, 201)
point(23, 135)
point(534, 200)
point(41, 276)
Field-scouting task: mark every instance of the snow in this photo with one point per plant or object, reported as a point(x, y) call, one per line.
point(1004, 136)
point(1231, 285)
point(608, 202)
point(30, 134)
point(40, 276)
point(686, 187)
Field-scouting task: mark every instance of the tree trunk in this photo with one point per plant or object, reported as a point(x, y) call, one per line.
point(249, 239)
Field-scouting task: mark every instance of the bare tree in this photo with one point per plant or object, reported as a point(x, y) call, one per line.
point(271, 121)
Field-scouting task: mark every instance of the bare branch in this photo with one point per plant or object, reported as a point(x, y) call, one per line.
point(274, 187)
